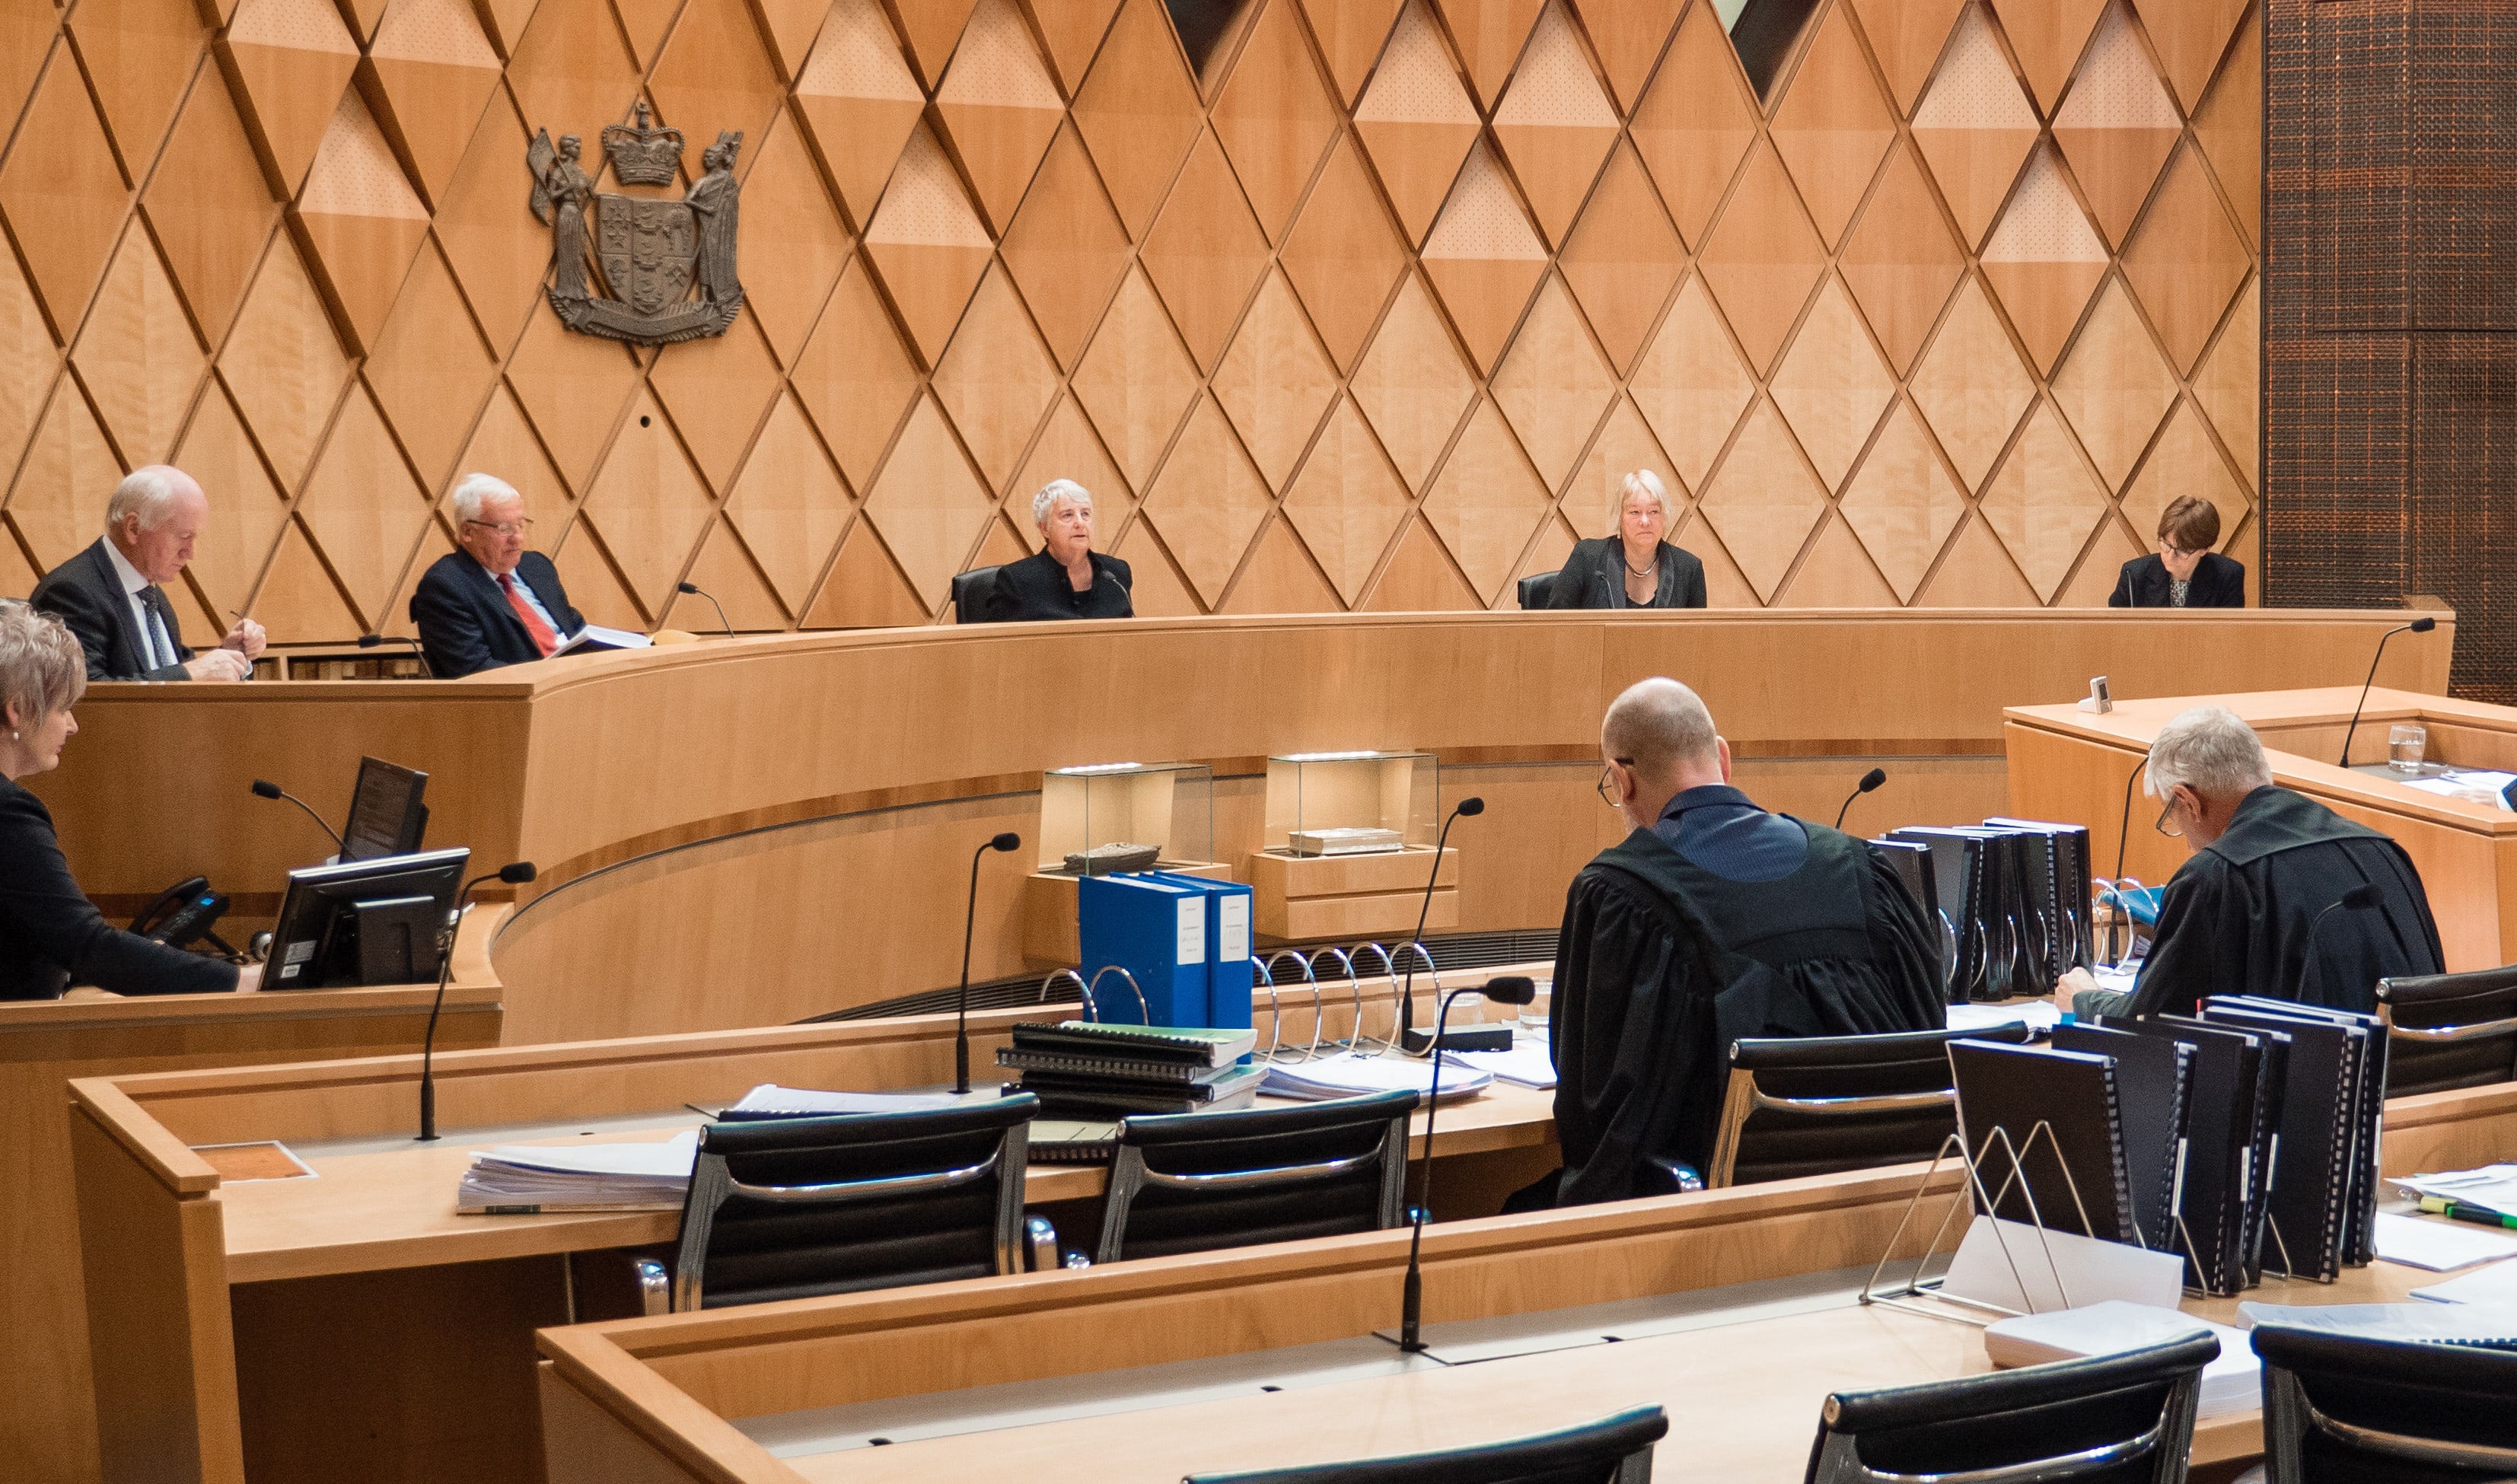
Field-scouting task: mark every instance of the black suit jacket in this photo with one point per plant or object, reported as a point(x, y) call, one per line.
point(1593, 577)
point(1036, 588)
point(466, 623)
point(2218, 582)
point(87, 593)
point(52, 935)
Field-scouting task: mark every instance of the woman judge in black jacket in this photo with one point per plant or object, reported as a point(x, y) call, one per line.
point(1635, 568)
point(1066, 578)
point(50, 936)
point(2184, 573)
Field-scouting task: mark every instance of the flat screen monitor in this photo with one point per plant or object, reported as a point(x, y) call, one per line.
point(386, 815)
point(329, 909)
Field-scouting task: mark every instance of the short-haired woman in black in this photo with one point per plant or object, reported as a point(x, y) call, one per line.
point(2184, 572)
point(50, 936)
point(1636, 568)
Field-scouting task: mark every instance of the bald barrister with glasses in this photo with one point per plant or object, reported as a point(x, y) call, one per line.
point(492, 603)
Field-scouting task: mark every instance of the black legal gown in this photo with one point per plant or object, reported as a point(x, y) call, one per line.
point(2240, 917)
point(1661, 964)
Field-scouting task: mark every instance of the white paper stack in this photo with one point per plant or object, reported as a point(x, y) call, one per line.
point(2231, 1383)
point(805, 1102)
point(1334, 1077)
point(2440, 1244)
point(529, 1179)
point(1528, 1064)
point(2494, 1287)
point(2037, 1014)
point(2493, 1187)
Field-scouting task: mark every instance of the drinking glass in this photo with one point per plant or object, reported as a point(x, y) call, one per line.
point(2404, 747)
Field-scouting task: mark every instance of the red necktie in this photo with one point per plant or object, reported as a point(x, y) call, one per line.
point(544, 639)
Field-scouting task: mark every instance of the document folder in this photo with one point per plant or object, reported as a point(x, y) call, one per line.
point(1157, 932)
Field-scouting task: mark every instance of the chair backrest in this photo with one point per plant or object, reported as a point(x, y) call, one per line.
point(970, 593)
point(1194, 1182)
point(1616, 1448)
point(1536, 589)
point(795, 1208)
point(2123, 1418)
point(2447, 1031)
point(1818, 1105)
point(2348, 1407)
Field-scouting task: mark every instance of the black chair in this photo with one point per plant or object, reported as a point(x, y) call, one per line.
point(798, 1207)
point(1616, 1448)
point(1820, 1105)
point(2123, 1418)
point(1536, 589)
point(2343, 1407)
point(972, 591)
point(2446, 1030)
point(1194, 1182)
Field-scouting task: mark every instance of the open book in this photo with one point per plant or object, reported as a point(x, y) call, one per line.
point(595, 637)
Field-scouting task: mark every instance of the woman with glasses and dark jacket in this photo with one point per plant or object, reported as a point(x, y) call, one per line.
point(2184, 572)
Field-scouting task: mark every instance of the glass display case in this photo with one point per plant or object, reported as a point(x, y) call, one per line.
point(1323, 805)
point(1119, 816)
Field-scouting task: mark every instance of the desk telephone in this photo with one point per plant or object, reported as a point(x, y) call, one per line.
point(183, 914)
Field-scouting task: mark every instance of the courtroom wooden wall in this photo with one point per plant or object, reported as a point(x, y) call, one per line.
point(1368, 310)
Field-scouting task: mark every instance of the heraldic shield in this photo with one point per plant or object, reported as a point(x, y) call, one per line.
point(652, 250)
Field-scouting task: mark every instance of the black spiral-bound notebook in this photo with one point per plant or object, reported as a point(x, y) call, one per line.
point(2155, 1077)
point(2263, 1242)
point(2359, 1239)
point(2222, 1194)
point(2015, 1088)
point(2314, 1175)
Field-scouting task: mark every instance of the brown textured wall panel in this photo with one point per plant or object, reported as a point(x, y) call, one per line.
point(1375, 307)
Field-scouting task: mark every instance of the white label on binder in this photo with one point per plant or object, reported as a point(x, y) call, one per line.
point(1192, 928)
point(1232, 926)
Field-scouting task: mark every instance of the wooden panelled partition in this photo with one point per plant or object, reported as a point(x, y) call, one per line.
point(1350, 304)
point(746, 833)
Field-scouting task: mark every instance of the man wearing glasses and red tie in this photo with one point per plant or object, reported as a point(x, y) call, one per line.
point(492, 603)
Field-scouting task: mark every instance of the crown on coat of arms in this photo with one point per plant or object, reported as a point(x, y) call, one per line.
point(643, 156)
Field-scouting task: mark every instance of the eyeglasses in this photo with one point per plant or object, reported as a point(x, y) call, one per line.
point(2168, 824)
point(1607, 782)
point(509, 528)
point(2168, 548)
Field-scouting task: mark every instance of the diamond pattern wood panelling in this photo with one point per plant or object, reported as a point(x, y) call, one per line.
point(1417, 285)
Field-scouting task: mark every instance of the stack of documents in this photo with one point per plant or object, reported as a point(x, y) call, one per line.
point(1528, 1064)
point(529, 1179)
point(2493, 1187)
point(2230, 1384)
point(2440, 1244)
point(2035, 1014)
point(1098, 1072)
point(771, 1101)
point(1336, 1077)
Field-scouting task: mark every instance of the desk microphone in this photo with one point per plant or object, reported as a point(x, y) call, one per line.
point(696, 592)
point(1869, 782)
point(2358, 899)
point(1472, 806)
point(2420, 625)
point(514, 873)
point(265, 788)
point(961, 1014)
point(418, 650)
point(2123, 838)
point(1510, 989)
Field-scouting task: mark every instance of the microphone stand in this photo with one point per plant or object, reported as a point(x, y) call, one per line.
point(418, 650)
point(697, 591)
point(2123, 838)
point(1511, 988)
point(265, 788)
point(444, 972)
point(2359, 897)
point(969, 922)
point(1424, 913)
point(2420, 625)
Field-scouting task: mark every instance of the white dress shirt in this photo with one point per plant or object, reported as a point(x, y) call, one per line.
point(559, 631)
point(156, 646)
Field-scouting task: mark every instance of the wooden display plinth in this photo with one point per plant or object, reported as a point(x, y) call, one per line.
point(1050, 938)
point(1300, 898)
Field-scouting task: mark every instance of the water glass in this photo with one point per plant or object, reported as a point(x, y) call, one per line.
point(2404, 747)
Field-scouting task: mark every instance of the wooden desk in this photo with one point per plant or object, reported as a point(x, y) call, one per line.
point(45, 1043)
point(653, 1400)
point(2070, 764)
point(706, 816)
point(352, 1326)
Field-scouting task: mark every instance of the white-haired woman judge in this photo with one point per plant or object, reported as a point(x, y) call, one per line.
point(50, 936)
point(1066, 578)
point(1637, 568)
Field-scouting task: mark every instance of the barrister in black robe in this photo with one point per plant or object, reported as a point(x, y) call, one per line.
point(1719, 922)
point(2242, 915)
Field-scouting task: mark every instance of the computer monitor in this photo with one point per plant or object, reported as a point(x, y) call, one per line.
point(363, 921)
point(386, 815)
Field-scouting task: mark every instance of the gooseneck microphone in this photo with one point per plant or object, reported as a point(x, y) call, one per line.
point(1869, 782)
point(2420, 625)
point(696, 592)
point(2358, 899)
point(2123, 837)
point(265, 788)
point(514, 873)
point(1472, 806)
point(961, 1012)
point(1510, 989)
point(418, 650)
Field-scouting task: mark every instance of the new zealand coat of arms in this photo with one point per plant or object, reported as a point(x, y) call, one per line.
point(652, 250)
